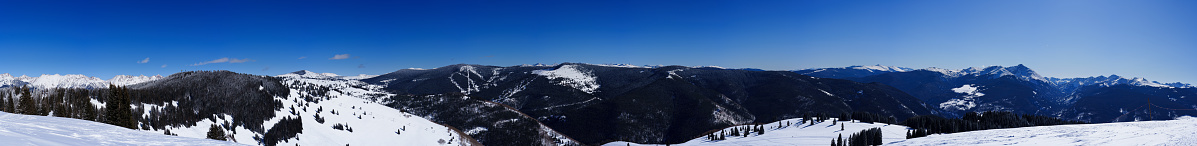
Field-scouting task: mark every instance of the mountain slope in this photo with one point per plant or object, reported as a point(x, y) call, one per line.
point(18, 129)
point(1020, 89)
point(1182, 131)
point(670, 104)
point(821, 133)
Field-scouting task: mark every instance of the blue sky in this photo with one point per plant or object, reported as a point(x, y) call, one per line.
point(1063, 38)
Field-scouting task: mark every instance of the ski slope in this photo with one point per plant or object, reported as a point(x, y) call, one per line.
point(821, 133)
point(16, 129)
point(323, 102)
point(1182, 131)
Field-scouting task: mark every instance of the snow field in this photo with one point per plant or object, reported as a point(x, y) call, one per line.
point(821, 133)
point(16, 129)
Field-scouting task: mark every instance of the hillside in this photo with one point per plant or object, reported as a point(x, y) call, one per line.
point(16, 129)
point(668, 104)
point(821, 133)
point(1182, 131)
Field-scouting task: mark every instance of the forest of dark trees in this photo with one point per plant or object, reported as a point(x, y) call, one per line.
point(180, 100)
point(972, 121)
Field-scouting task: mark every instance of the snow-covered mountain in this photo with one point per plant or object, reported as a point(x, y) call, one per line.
point(72, 81)
point(17, 129)
point(313, 75)
point(319, 110)
point(1022, 90)
point(595, 103)
point(1182, 131)
point(851, 71)
point(821, 133)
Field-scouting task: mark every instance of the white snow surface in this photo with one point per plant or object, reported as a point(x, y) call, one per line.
point(570, 75)
point(821, 133)
point(358, 108)
point(1182, 131)
point(881, 68)
point(72, 80)
point(16, 129)
point(314, 75)
point(964, 102)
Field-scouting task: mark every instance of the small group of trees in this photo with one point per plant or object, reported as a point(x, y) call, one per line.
point(866, 117)
point(744, 131)
point(972, 121)
point(867, 137)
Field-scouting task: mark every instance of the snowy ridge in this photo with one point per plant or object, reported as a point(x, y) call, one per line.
point(1105, 81)
point(572, 76)
point(16, 129)
point(881, 68)
point(821, 133)
point(314, 75)
point(322, 103)
point(1182, 131)
point(965, 102)
point(72, 81)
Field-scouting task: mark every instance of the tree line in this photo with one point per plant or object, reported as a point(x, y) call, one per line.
point(930, 124)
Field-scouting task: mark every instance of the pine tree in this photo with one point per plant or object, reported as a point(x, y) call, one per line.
point(833, 143)
point(841, 127)
point(3, 101)
point(119, 110)
point(28, 105)
point(11, 105)
point(216, 133)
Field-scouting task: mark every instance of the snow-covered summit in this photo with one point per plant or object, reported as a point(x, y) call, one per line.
point(124, 80)
point(71, 81)
point(1111, 80)
point(314, 75)
point(881, 68)
point(1020, 71)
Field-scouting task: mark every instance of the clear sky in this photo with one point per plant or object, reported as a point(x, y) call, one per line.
point(1061, 38)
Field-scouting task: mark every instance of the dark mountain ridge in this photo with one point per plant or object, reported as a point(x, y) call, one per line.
point(670, 104)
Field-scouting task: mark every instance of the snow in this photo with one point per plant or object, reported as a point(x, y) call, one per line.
point(72, 81)
point(881, 68)
point(357, 105)
point(825, 92)
point(571, 76)
point(966, 101)
point(821, 133)
point(619, 65)
point(18, 129)
point(1182, 131)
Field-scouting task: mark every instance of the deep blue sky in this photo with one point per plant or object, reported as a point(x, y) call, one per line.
point(1062, 38)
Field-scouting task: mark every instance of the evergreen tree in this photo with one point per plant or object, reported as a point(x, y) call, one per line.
point(28, 105)
point(3, 101)
point(833, 143)
point(118, 106)
point(216, 133)
point(840, 139)
point(11, 105)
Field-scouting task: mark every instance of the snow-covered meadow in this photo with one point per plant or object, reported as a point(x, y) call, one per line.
point(17, 129)
point(821, 133)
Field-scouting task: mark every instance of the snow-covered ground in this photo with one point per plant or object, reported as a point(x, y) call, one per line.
point(1182, 131)
point(821, 133)
point(16, 129)
point(350, 103)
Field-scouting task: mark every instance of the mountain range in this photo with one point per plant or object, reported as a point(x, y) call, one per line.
point(584, 104)
point(1022, 90)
